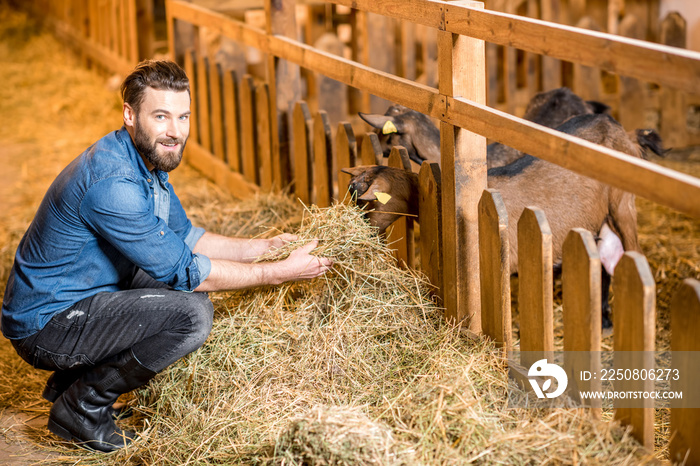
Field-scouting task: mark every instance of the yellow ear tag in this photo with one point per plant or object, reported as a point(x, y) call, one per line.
point(389, 128)
point(382, 197)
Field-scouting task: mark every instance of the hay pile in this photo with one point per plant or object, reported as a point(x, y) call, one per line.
point(357, 367)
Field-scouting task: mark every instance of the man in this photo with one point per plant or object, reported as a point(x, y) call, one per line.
point(107, 287)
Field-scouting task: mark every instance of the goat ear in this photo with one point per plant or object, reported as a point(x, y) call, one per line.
point(379, 185)
point(354, 171)
point(388, 124)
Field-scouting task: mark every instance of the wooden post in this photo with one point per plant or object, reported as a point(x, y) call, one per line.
point(217, 115)
point(378, 52)
point(232, 122)
point(551, 67)
point(462, 73)
point(430, 216)
point(634, 320)
point(303, 155)
point(535, 283)
point(323, 159)
point(685, 328)
point(581, 280)
point(145, 26)
point(346, 154)
point(673, 122)
point(494, 262)
point(191, 72)
point(285, 88)
point(203, 100)
point(632, 92)
point(248, 129)
point(586, 79)
point(371, 150)
point(263, 124)
point(401, 234)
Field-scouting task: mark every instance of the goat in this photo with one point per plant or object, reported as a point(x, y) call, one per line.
point(568, 199)
point(401, 126)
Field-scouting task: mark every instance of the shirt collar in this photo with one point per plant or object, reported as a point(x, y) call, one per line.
point(125, 139)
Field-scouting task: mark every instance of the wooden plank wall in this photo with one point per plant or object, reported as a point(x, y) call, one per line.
point(113, 35)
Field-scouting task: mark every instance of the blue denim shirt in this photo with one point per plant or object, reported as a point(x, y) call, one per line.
point(103, 217)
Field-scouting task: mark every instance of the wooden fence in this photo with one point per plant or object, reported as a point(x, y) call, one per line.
point(249, 134)
point(513, 75)
point(236, 137)
point(112, 34)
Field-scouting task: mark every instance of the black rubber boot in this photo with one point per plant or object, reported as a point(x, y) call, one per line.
point(83, 412)
point(59, 381)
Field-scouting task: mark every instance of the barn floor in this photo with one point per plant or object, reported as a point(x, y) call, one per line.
point(53, 108)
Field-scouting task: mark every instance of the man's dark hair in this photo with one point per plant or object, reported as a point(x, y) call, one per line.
point(157, 74)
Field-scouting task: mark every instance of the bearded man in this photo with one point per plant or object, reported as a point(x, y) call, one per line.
point(109, 282)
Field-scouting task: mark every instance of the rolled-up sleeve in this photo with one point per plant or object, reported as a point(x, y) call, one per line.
point(119, 210)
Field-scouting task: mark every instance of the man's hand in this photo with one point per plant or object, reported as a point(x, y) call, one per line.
point(279, 241)
point(301, 265)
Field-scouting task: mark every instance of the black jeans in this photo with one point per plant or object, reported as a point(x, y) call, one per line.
point(159, 324)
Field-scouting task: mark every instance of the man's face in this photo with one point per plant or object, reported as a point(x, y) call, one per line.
point(161, 127)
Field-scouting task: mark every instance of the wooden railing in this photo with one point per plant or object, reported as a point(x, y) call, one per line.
point(235, 141)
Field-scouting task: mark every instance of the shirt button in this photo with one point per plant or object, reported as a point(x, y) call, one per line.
point(162, 233)
point(149, 180)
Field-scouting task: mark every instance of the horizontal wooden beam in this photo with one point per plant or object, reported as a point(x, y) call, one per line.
point(661, 64)
point(646, 179)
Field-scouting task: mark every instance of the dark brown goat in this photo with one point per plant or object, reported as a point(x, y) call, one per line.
point(569, 200)
point(401, 126)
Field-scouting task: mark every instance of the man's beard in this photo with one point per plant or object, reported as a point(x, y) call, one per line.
point(149, 149)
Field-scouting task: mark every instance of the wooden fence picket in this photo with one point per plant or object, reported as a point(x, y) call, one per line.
point(685, 418)
point(303, 155)
point(581, 301)
point(494, 262)
point(346, 155)
point(217, 114)
point(323, 160)
point(631, 114)
point(248, 129)
point(400, 236)
point(586, 80)
point(262, 129)
point(371, 150)
point(190, 69)
point(431, 224)
point(673, 117)
point(634, 329)
point(203, 102)
point(232, 122)
point(535, 283)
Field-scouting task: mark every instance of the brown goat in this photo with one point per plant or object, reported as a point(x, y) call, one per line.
point(568, 199)
point(416, 132)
